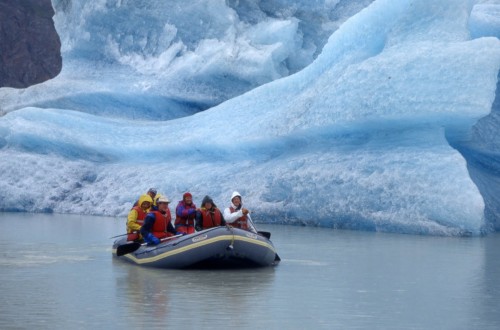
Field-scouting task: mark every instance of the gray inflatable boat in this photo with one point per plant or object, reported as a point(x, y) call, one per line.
point(218, 247)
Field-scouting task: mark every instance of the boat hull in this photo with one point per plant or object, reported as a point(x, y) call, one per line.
point(219, 247)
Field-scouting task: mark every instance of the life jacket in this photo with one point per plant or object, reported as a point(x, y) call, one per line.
point(241, 222)
point(184, 219)
point(161, 224)
point(141, 215)
point(211, 219)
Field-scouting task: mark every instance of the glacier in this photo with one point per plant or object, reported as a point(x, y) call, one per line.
point(368, 115)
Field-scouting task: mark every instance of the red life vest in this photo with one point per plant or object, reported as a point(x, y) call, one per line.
point(241, 222)
point(141, 215)
point(184, 220)
point(211, 219)
point(161, 224)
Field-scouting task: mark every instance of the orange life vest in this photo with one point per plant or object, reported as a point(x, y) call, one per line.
point(241, 222)
point(181, 215)
point(161, 224)
point(211, 219)
point(141, 215)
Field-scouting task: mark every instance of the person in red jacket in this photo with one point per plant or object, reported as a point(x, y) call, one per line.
point(157, 224)
point(208, 215)
point(185, 214)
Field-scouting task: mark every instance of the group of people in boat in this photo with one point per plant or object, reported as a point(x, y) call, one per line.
point(150, 218)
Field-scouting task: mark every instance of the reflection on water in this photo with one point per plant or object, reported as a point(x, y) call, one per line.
point(486, 309)
point(57, 273)
point(190, 297)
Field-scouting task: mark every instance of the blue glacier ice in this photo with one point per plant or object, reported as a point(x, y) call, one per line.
point(370, 115)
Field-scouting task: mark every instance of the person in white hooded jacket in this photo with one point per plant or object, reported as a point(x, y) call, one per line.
point(237, 216)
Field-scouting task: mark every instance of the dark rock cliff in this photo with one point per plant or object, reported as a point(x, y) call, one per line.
point(30, 48)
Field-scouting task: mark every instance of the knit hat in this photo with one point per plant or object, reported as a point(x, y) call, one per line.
point(207, 199)
point(187, 194)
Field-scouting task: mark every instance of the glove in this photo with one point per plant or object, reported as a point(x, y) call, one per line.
point(151, 239)
point(191, 211)
point(198, 228)
point(245, 211)
point(180, 233)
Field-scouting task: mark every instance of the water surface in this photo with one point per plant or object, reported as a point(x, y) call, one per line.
point(57, 273)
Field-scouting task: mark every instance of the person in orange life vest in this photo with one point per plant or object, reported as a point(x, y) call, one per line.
point(151, 192)
point(208, 215)
point(157, 224)
point(136, 216)
point(238, 216)
point(185, 213)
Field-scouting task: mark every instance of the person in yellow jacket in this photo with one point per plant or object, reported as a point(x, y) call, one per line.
point(136, 216)
point(153, 192)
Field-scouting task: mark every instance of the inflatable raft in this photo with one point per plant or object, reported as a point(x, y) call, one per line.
point(218, 247)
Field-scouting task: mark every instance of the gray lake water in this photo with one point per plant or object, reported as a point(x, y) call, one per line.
point(57, 272)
